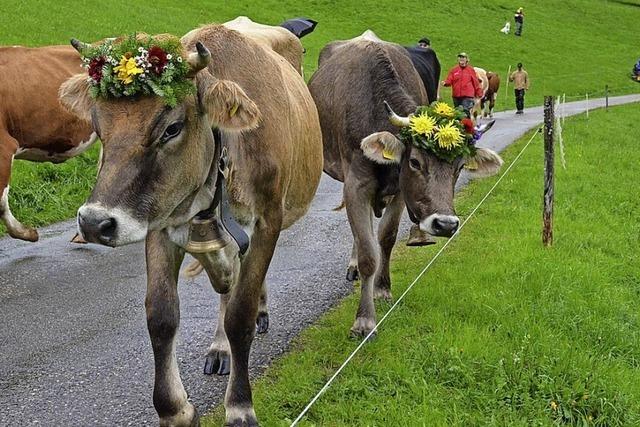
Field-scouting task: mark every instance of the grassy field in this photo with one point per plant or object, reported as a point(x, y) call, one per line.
point(500, 331)
point(568, 46)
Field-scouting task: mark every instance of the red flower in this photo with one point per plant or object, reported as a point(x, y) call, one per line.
point(468, 125)
point(95, 68)
point(157, 59)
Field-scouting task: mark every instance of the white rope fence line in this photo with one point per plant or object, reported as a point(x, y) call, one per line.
point(424, 270)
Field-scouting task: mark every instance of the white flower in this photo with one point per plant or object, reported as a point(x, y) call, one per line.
point(140, 49)
point(179, 59)
point(169, 56)
point(89, 79)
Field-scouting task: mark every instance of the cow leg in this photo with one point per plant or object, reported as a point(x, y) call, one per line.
point(387, 234)
point(492, 104)
point(359, 211)
point(163, 319)
point(8, 147)
point(240, 320)
point(262, 321)
point(217, 360)
point(352, 270)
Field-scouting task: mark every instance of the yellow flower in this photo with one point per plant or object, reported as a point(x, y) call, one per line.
point(449, 136)
point(443, 109)
point(422, 124)
point(127, 69)
point(554, 405)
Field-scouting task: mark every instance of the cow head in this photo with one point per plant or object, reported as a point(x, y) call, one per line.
point(158, 168)
point(427, 181)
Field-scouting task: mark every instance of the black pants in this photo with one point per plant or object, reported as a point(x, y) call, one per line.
point(518, 28)
point(519, 99)
point(466, 102)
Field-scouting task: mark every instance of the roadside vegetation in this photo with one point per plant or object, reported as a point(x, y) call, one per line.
point(500, 331)
point(568, 46)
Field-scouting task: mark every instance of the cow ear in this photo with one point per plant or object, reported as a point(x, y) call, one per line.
point(75, 97)
point(226, 104)
point(485, 163)
point(383, 148)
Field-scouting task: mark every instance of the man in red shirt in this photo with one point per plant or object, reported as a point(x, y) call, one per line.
point(464, 83)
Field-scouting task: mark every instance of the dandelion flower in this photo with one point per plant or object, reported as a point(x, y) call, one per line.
point(449, 136)
point(127, 70)
point(422, 124)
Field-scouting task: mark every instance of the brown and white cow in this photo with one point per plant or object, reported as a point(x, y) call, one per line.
point(379, 172)
point(33, 125)
point(489, 99)
point(159, 170)
point(484, 85)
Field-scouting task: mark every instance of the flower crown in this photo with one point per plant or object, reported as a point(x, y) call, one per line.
point(138, 65)
point(443, 130)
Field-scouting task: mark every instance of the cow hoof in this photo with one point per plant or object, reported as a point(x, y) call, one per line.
point(28, 234)
point(382, 294)
point(241, 417)
point(352, 273)
point(262, 323)
point(363, 327)
point(217, 362)
point(187, 417)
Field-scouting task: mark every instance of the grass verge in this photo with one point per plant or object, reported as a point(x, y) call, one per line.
point(501, 331)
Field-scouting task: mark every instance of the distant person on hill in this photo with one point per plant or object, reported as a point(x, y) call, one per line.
point(464, 83)
point(519, 18)
point(520, 79)
point(424, 43)
point(636, 71)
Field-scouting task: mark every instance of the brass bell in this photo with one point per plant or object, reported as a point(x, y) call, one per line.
point(418, 237)
point(207, 235)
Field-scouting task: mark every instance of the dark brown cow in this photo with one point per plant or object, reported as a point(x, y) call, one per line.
point(33, 125)
point(353, 79)
point(489, 98)
point(159, 170)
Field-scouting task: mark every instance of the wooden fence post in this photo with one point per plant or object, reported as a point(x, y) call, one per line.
point(547, 213)
point(606, 96)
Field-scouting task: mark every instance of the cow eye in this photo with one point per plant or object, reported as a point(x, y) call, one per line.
point(414, 164)
point(172, 131)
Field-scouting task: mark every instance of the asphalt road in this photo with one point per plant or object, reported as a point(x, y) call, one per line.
point(74, 348)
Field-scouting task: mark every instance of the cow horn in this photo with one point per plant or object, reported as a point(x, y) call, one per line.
point(198, 59)
point(395, 119)
point(485, 127)
point(79, 46)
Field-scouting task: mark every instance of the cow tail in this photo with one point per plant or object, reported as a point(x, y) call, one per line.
point(193, 269)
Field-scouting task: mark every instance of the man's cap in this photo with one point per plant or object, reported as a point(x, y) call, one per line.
point(519, 64)
point(463, 55)
point(424, 40)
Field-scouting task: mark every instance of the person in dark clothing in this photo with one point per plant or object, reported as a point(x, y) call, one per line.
point(519, 18)
point(424, 43)
point(636, 72)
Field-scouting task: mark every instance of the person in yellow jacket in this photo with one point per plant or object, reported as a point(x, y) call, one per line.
point(520, 79)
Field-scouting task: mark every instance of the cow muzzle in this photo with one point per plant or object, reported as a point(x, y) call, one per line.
point(109, 227)
point(440, 225)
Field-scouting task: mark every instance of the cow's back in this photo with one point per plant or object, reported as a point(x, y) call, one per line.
point(282, 158)
point(30, 110)
point(349, 87)
point(427, 65)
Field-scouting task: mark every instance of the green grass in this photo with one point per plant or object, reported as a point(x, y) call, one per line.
point(500, 331)
point(568, 46)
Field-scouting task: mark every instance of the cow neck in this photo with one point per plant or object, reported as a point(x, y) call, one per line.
point(220, 197)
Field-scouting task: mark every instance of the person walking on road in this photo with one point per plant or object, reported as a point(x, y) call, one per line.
point(465, 87)
point(520, 79)
point(519, 18)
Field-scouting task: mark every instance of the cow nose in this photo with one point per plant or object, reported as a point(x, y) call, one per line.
point(445, 226)
point(97, 229)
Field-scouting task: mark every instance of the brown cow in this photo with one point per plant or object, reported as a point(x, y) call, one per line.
point(353, 79)
point(33, 125)
point(489, 99)
point(159, 170)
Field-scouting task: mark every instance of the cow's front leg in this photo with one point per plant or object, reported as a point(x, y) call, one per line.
point(358, 197)
point(387, 234)
point(240, 322)
point(163, 318)
point(8, 147)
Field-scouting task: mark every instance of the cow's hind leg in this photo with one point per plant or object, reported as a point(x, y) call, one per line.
point(8, 147)
point(352, 270)
point(218, 359)
point(262, 321)
point(240, 321)
point(163, 318)
point(387, 234)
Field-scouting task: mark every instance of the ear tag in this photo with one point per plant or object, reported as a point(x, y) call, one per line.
point(233, 110)
point(387, 154)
